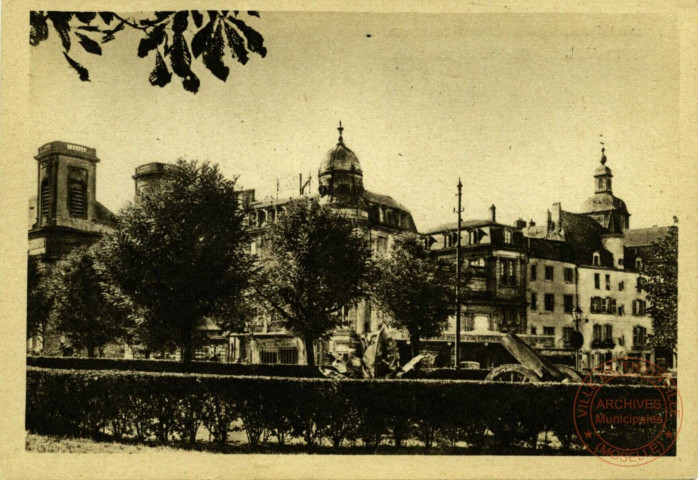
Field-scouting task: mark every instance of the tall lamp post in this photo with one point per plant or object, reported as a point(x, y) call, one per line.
point(457, 342)
point(577, 339)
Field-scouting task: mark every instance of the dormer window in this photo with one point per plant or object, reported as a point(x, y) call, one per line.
point(508, 236)
point(638, 263)
point(472, 237)
point(596, 259)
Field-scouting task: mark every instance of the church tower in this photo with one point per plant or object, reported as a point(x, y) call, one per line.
point(67, 212)
point(604, 207)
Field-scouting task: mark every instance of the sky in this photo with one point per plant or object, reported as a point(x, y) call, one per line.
point(515, 105)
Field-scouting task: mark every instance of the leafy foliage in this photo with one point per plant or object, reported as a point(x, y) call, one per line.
point(316, 264)
point(166, 407)
point(82, 307)
point(416, 290)
point(38, 297)
point(166, 33)
point(179, 253)
point(660, 280)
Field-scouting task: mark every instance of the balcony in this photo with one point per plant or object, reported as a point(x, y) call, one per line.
point(535, 341)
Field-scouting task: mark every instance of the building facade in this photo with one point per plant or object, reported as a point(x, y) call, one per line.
point(379, 217)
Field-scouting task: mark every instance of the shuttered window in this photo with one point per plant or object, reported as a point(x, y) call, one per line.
point(77, 199)
point(45, 201)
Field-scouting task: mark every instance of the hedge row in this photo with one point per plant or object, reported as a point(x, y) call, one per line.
point(171, 408)
point(81, 363)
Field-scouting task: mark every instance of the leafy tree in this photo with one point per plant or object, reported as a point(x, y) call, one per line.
point(82, 308)
point(179, 252)
point(38, 298)
point(660, 280)
point(415, 289)
point(315, 266)
point(168, 35)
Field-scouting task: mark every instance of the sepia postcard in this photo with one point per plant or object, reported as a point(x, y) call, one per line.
point(368, 240)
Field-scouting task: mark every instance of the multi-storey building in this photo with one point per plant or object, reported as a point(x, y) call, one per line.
point(379, 217)
point(590, 261)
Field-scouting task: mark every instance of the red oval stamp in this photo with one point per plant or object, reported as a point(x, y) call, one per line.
point(628, 412)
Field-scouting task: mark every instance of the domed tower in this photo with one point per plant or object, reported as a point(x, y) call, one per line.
point(607, 209)
point(340, 177)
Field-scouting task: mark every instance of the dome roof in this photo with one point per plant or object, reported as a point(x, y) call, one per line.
point(602, 170)
point(340, 158)
point(602, 202)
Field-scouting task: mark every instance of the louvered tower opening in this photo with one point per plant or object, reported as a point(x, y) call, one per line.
point(77, 199)
point(45, 192)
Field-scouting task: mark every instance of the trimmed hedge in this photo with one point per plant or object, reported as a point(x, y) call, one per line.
point(170, 408)
point(81, 363)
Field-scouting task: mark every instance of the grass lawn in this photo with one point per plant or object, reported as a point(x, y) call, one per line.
point(50, 444)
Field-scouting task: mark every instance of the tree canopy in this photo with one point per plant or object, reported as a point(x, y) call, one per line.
point(179, 252)
point(172, 37)
point(316, 263)
point(414, 289)
point(660, 280)
point(38, 297)
point(81, 305)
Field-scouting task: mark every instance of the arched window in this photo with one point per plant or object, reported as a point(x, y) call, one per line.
point(77, 199)
point(45, 200)
point(597, 259)
point(638, 263)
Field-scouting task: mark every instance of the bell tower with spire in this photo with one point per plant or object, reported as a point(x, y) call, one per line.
point(604, 207)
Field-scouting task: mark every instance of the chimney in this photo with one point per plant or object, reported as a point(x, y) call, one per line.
point(531, 223)
point(557, 216)
point(521, 223)
point(550, 221)
point(493, 209)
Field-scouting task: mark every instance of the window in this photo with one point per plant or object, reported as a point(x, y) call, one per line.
point(534, 331)
point(45, 191)
point(638, 284)
point(638, 263)
point(534, 272)
point(597, 281)
point(569, 303)
point(507, 271)
point(77, 192)
point(620, 261)
point(472, 237)
point(381, 244)
point(621, 286)
point(548, 330)
point(534, 301)
point(608, 332)
point(567, 335)
point(269, 356)
point(610, 305)
point(608, 282)
point(639, 335)
point(549, 302)
point(569, 275)
point(507, 236)
point(596, 259)
point(549, 273)
point(597, 332)
point(597, 305)
point(639, 307)
point(621, 310)
point(288, 355)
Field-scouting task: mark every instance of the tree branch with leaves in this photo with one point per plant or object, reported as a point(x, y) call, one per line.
point(165, 35)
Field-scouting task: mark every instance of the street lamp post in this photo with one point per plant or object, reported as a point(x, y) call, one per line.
point(577, 338)
point(457, 342)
